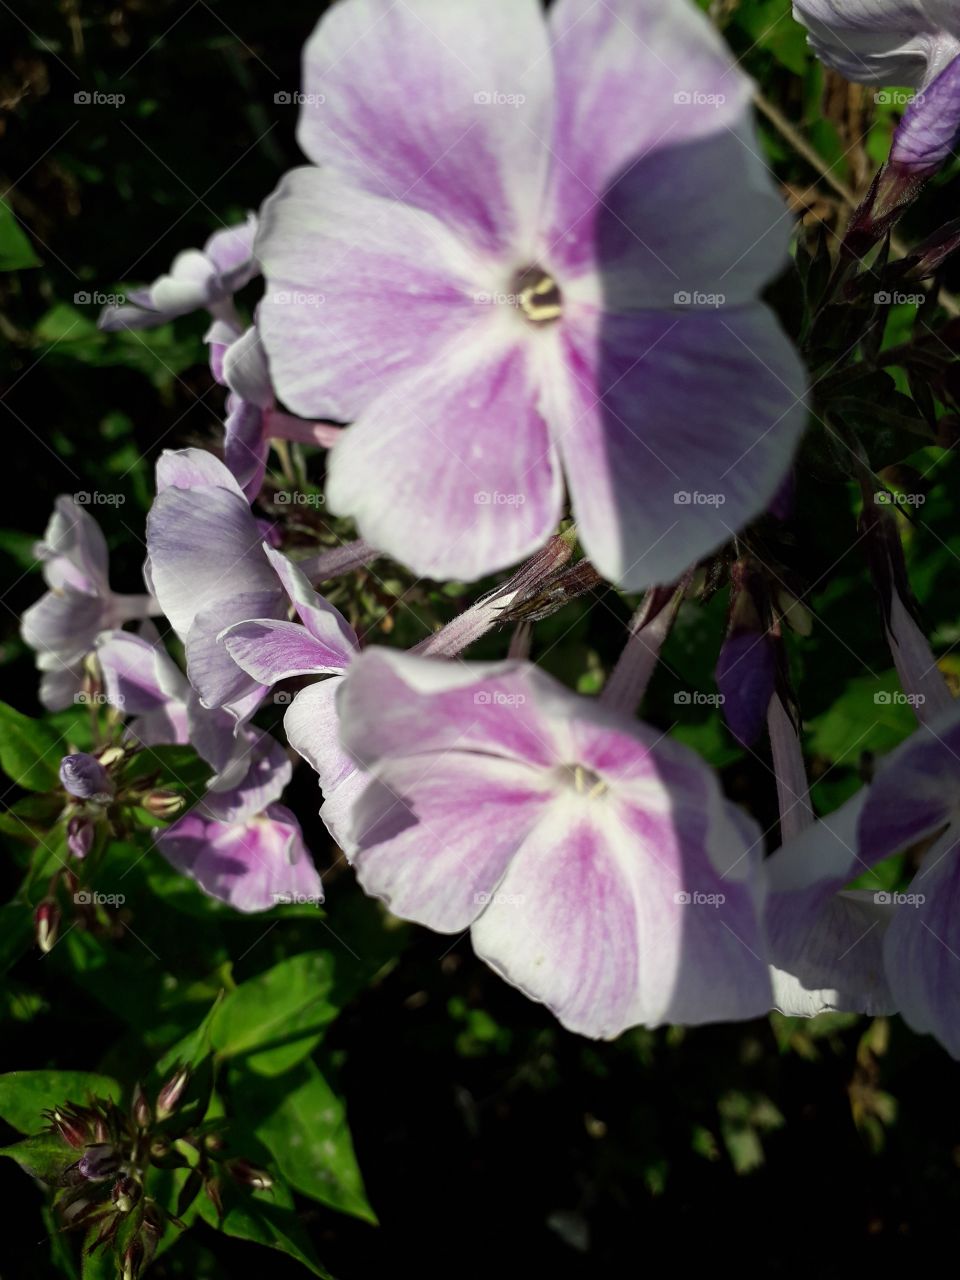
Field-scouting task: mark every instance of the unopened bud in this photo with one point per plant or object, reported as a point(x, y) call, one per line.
point(80, 836)
point(169, 1097)
point(248, 1175)
point(84, 777)
point(72, 1126)
point(46, 920)
point(111, 756)
point(212, 1188)
point(126, 1192)
point(163, 804)
point(140, 1110)
point(133, 1259)
point(99, 1162)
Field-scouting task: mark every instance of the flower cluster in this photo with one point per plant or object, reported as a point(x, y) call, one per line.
point(513, 332)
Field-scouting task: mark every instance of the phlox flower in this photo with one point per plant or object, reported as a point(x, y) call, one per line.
point(525, 260)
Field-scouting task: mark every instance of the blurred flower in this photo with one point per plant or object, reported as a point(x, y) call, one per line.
point(881, 950)
point(63, 625)
point(533, 257)
point(595, 861)
point(198, 280)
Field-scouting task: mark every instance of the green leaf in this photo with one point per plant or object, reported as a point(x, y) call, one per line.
point(265, 1217)
point(278, 1017)
point(30, 750)
point(316, 1158)
point(44, 1156)
point(25, 1095)
point(16, 251)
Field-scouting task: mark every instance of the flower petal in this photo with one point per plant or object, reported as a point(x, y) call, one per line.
point(470, 149)
point(882, 41)
point(271, 651)
point(475, 492)
point(675, 429)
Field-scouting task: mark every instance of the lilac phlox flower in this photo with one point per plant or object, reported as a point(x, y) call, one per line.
point(880, 950)
point(526, 260)
point(238, 843)
point(595, 862)
point(63, 625)
point(85, 778)
point(198, 280)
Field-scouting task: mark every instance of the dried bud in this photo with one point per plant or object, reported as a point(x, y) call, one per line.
point(84, 777)
point(248, 1175)
point(163, 804)
point(169, 1097)
point(140, 1110)
point(46, 921)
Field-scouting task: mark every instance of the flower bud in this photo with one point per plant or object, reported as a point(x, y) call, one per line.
point(80, 836)
point(46, 920)
point(163, 804)
point(84, 777)
point(169, 1097)
point(126, 1192)
point(99, 1162)
point(248, 1175)
point(70, 1125)
point(140, 1110)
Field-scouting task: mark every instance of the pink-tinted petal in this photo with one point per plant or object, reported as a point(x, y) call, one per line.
point(342, 269)
point(312, 726)
point(193, 469)
point(73, 550)
point(324, 622)
point(214, 674)
point(231, 252)
point(253, 866)
point(883, 41)
point(452, 472)
point(245, 369)
point(337, 808)
point(434, 840)
point(471, 149)
point(668, 453)
point(255, 776)
point(138, 677)
point(245, 445)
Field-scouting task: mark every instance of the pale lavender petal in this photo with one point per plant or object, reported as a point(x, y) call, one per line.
point(83, 776)
point(928, 133)
point(477, 492)
point(264, 771)
point(252, 866)
point(341, 268)
point(338, 806)
point(312, 726)
point(922, 947)
point(221, 335)
point(64, 625)
point(73, 549)
point(138, 677)
point(668, 455)
point(231, 252)
point(193, 469)
point(882, 41)
point(473, 149)
point(211, 669)
point(914, 791)
point(920, 677)
point(746, 675)
point(324, 622)
point(245, 444)
point(245, 369)
point(271, 651)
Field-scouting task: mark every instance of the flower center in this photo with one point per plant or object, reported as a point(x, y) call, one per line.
point(537, 295)
point(583, 780)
